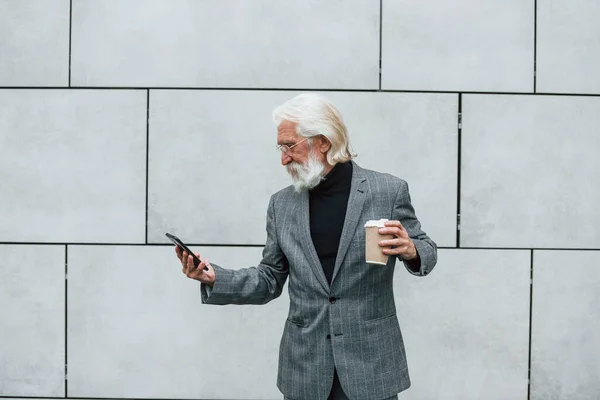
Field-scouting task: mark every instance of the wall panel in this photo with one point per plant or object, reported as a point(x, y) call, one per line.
point(32, 315)
point(34, 43)
point(568, 47)
point(466, 325)
point(72, 165)
point(530, 171)
point(137, 328)
point(565, 324)
point(471, 45)
point(235, 43)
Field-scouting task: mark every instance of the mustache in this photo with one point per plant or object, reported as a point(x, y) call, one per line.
point(295, 167)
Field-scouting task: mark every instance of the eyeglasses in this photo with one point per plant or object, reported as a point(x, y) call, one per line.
point(287, 149)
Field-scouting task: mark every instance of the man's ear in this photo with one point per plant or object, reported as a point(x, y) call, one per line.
point(324, 144)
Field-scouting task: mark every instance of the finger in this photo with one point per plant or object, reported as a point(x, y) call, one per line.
point(203, 263)
point(178, 252)
point(395, 251)
point(190, 263)
point(391, 231)
point(184, 257)
point(395, 223)
point(399, 230)
point(190, 269)
point(404, 250)
point(182, 260)
point(197, 267)
point(392, 252)
point(200, 272)
point(398, 242)
point(400, 226)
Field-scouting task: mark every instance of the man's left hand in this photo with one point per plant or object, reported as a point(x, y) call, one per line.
point(402, 245)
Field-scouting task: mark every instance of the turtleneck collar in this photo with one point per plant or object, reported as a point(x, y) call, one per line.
point(339, 178)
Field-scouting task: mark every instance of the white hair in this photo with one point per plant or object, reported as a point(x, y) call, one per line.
point(315, 115)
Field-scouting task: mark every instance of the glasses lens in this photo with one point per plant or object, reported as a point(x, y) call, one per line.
point(284, 149)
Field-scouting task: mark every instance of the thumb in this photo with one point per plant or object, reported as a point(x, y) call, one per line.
point(205, 261)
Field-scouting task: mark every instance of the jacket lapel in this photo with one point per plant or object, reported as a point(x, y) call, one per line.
point(356, 200)
point(307, 243)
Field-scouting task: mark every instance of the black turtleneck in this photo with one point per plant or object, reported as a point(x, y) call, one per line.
point(328, 202)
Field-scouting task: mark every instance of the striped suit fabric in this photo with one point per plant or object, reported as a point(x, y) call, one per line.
point(350, 325)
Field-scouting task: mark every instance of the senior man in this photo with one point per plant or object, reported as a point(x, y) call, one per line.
point(342, 338)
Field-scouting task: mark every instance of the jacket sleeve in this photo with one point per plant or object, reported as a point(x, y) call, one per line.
point(252, 285)
point(426, 248)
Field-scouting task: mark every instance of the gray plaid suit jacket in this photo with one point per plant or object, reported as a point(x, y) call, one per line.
point(351, 325)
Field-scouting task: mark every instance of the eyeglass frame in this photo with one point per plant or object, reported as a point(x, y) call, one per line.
point(282, 147)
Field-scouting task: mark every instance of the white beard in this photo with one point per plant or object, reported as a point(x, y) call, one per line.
point(306, 176)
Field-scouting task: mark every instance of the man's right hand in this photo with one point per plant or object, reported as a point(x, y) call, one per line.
point(191, 271)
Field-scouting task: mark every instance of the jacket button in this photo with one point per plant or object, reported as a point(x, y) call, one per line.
point(328, 337)
point(332, 300)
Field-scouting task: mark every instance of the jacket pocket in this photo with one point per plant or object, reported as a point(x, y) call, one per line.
point(296, 323)
point(391, 315)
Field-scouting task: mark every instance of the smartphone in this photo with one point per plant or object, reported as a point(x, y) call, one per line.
point(183, 247)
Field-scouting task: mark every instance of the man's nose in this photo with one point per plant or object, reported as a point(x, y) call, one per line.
point(285, 158)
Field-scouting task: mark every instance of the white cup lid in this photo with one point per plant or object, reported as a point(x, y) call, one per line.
point(376, 223)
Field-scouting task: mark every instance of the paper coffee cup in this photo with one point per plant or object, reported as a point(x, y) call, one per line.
point(373, 251)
